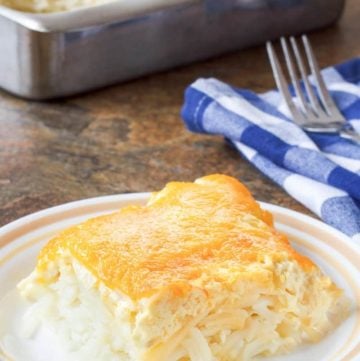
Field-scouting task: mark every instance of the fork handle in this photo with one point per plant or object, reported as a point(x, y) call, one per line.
point(350, 133)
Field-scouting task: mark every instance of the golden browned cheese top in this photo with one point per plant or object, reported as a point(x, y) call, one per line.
point(210, 229)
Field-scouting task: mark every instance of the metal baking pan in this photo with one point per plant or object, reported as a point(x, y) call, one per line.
point(53, 55)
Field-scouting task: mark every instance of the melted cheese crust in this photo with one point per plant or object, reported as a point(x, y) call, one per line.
point(187, 235)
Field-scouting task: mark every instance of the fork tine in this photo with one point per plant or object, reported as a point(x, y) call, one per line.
point(298, 92)
point(325, 97)
point(282, 85)
point(315, 105)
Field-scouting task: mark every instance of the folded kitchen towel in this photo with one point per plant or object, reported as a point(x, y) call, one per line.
point(321, 171)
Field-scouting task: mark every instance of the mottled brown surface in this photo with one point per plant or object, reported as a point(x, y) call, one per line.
point(130, 138)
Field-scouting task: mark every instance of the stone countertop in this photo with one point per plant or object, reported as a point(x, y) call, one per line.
point(130, 137)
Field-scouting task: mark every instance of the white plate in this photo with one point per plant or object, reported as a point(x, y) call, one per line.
point(21, 240)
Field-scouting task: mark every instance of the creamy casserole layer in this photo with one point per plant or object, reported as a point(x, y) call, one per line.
point(198, 274)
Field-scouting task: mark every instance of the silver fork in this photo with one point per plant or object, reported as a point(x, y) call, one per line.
point(313, 114)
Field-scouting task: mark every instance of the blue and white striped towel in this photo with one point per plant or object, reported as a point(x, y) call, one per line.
point(321, 171)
